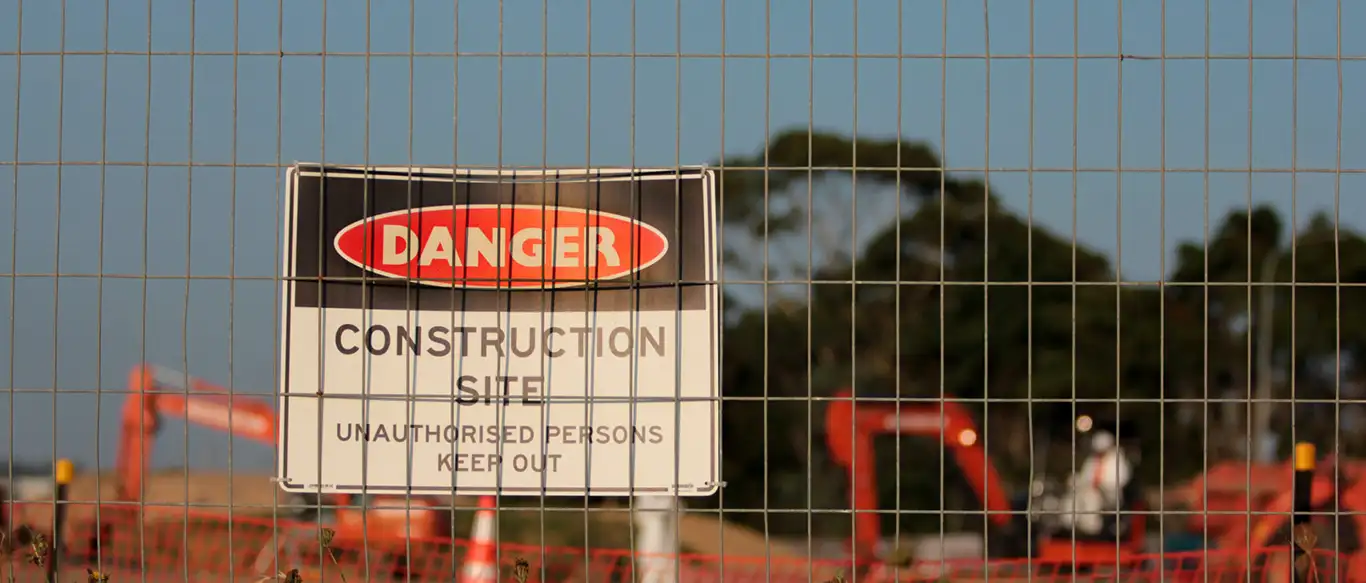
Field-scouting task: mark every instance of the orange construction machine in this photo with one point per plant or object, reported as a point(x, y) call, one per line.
point(1242, 506)
point(851, 427)
point(384, 522)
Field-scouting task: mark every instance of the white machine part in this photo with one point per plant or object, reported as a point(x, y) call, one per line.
point(1096, 488)
point(656, 523)
point(30, 488)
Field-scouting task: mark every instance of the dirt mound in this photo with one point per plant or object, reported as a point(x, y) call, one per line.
point(705, 533)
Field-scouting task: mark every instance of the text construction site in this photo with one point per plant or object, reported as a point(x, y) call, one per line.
point(479, 332)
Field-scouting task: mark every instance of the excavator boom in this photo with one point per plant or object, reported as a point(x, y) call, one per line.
point(154, 392)
point(851, 427)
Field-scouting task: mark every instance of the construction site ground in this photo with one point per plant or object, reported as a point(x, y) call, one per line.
point(171, 492)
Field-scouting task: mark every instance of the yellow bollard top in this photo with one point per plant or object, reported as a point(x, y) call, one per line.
point(65, 472)
point(1304, 456)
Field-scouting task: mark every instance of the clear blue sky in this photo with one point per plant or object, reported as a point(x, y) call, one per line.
point(83, 333)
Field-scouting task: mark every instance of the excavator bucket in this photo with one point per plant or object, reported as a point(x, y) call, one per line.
point(1241, 505)
point(1221, 497)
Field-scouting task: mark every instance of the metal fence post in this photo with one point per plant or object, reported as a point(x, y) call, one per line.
point(62, 474)
point(1302, 529)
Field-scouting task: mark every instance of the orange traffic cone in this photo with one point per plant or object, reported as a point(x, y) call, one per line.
point(480, 565)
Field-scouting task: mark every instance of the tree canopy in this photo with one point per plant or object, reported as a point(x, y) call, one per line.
point(955, 295)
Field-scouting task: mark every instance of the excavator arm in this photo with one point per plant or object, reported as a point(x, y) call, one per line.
point(851, 427)
point(155, 392)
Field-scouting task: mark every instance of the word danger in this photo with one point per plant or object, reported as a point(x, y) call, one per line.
point(493, 341)
point(501, 246)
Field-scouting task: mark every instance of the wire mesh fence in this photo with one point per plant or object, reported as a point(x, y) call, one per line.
point(975, 290)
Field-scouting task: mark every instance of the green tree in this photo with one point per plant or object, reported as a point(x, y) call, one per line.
point(1309, 280)
point(790, 221)
point(937, 303)
point(1318, 338)
point(954, 295)
point(1205, 284)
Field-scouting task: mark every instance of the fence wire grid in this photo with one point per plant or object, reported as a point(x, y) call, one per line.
point(957, 242)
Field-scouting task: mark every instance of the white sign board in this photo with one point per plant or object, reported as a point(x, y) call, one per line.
point(514, 332)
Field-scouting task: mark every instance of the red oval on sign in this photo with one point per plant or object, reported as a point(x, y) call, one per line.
point(501, 246)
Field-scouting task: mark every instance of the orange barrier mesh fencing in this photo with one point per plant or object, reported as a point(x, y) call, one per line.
point(1266, 565)
point(205, 546)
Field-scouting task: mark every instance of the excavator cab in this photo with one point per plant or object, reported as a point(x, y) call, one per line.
point(1123, 531)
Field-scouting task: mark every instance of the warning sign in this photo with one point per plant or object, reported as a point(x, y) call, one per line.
point(514, 332)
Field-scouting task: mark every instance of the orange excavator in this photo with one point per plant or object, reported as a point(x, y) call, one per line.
point(385, 525)
point(851, 427)
point(1247, 506)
